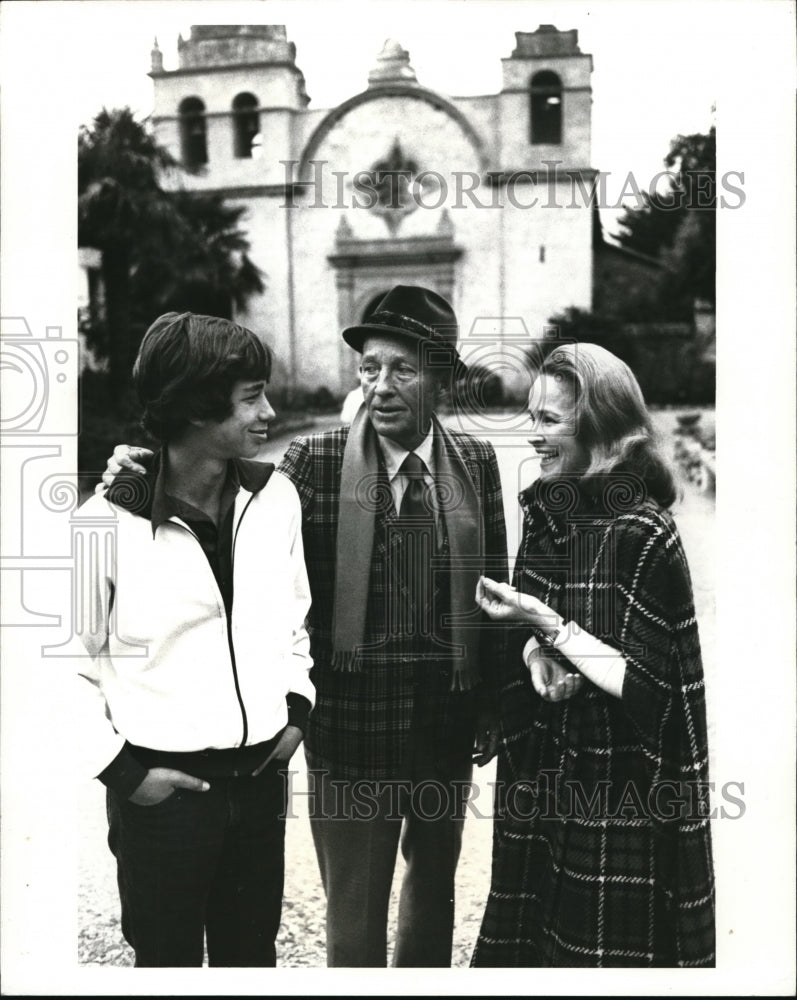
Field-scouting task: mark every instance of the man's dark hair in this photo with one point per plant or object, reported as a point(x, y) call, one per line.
point(187, 366)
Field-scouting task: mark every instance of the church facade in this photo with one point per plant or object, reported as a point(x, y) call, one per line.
point(486, 199)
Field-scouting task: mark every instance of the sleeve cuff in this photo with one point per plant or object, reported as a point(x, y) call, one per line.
point(298, 710)
point(600, 663)
point(531, 647)
point(124, 774)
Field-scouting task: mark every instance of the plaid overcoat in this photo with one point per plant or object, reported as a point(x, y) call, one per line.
point(359, 726)
point(602, 846)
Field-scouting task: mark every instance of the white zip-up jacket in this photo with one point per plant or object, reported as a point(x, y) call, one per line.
point(165, 670)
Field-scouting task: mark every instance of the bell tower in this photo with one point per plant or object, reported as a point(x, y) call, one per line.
point(546, 102)
point(227, 112)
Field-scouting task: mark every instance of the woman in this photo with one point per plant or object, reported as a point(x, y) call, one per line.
point(602, 848)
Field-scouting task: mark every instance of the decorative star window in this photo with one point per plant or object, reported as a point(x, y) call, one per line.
point(388, 186)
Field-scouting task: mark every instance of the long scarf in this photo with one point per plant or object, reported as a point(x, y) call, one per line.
point(459, 505)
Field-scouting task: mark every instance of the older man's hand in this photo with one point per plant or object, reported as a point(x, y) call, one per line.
point(286, 747)
point(124, 459)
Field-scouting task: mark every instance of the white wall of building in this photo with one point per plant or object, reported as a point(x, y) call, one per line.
point(523, 249)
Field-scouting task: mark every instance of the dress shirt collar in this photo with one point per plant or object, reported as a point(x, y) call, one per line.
point(394, 454)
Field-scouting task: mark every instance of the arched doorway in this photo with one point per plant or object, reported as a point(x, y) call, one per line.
point(366, 269)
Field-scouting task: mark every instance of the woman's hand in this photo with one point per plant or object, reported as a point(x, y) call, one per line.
point(551, 680)
point(505, 604)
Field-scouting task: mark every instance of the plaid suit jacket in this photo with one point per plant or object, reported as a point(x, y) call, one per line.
point(359, 726)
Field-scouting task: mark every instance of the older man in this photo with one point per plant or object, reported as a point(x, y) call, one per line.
point(400, 517)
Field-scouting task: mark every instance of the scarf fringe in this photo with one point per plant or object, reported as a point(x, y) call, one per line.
point(462, 679)
point(347, 661)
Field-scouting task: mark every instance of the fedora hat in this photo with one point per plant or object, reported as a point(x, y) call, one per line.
point(414, 313)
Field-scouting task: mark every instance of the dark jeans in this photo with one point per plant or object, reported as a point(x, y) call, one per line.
point(203, 862)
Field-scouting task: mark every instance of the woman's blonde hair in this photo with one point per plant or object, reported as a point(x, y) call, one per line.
point(613, 422)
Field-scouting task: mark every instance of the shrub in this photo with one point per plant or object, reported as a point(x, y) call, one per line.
point(102, 426)
point(478, 390)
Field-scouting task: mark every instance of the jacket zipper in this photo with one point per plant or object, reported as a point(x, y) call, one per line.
point(235, 680)
point(228, 616)
point(229, 624)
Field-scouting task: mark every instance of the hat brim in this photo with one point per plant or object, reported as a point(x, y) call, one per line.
point(355, 335)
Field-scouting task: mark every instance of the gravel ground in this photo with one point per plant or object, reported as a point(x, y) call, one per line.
point(301, 939)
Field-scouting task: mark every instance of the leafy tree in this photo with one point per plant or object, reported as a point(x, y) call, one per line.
point(650, 228)
point(582, 326)
point(692, 255)
point(667, 361)
point(161, 249)
point(639, 321)
point(677, 223)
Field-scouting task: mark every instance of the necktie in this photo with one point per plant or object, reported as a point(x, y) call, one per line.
point(416, 521)
point(416, 503)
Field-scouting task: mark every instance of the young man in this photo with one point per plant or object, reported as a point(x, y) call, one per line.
point(196, 690)
point(403, 667)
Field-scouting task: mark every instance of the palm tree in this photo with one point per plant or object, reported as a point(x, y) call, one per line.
point(160, 249)
point(120, 207)
point(206, 270)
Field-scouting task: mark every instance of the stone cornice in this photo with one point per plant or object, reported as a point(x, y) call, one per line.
point(248, 191)
point(565, 90)
point(231, 113)
point(499, 178)
point(370, 254)
point(227, 68)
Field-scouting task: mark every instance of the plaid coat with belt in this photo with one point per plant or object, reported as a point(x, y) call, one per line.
point(359, 726)
point(602, 846)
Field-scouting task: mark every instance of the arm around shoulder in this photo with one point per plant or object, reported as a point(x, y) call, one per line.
point(296, 466)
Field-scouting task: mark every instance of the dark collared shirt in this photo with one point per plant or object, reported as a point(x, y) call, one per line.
point(215, 539)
